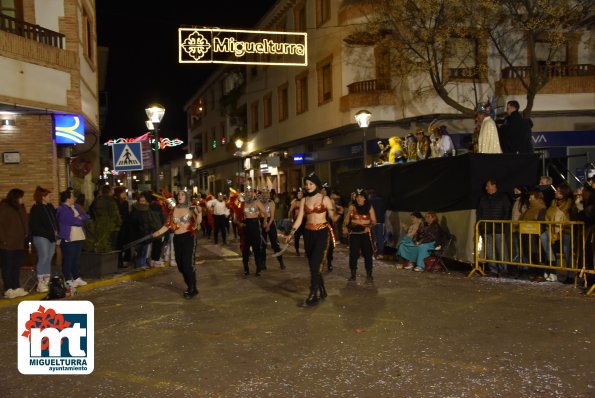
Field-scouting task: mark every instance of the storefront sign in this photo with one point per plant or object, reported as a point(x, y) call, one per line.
point(69, 129)
point(248, 47)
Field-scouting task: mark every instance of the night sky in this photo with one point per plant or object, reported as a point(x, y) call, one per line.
point(143, 57)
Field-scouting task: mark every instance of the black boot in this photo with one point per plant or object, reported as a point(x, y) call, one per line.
point(192, 290)
point(312, 298)
point(369, 277)
point(330, 267)
point(352, 277)
point(322, 289)
point(281, 263)
point(246, 269)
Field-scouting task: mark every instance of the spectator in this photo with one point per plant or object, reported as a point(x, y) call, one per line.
point(71, 218)
point(559, 212)
point(515, 132)
point(488, 141)
point(293, 213)
point(220, 213)
point(15, 229)
point(44, 231)
point(105, 207)
point(124, 232)
point(158, 218)
point(520, 205)
point(143, 221)
point(416, 221)
point(548, 190)
point(494, 205)
point(378, 229)
point(428, 236)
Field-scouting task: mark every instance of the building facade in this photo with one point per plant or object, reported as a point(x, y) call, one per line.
point(295, 119)
point(49, 63)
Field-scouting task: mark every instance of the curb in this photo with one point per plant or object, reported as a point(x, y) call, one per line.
point(130, 276)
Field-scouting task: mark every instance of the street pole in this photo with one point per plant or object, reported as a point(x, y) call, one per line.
point(365, 147)
point(156, 166)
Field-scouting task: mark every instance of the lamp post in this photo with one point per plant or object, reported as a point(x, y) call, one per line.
point(155, 113)
point(239, 143)
point(363, 120)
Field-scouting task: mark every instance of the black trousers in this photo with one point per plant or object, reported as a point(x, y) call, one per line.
point(297, 235)
point(316, 244)
point(156, 245)
point(220, 225)
point(360, 244)
point(274, 238)
point(184, 248)
point(11, 262)
point(253, 240)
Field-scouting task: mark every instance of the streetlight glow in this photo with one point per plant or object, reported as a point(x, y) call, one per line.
point(239, 143)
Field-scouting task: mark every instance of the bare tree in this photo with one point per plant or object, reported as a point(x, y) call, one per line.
point(449, 41)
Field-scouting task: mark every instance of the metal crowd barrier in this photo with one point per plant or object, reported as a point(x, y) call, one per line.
point(529, 244)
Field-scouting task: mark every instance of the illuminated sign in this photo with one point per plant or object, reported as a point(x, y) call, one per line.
point(69, 129)
point(248, 47)
point(301, 158)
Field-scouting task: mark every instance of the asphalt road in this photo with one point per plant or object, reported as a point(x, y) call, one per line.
point(405, 335)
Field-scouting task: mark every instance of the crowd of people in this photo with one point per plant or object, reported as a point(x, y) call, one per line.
point(555, 245)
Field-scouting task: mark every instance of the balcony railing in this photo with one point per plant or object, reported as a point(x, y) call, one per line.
point(550, 71)
point(30, 31)
point(368, 86)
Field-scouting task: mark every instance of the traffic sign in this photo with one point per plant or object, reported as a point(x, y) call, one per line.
point(127, 156)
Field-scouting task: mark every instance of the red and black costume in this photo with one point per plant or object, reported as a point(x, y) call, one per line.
point(360, 239)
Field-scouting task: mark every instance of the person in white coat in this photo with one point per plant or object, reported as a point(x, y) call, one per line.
point(488, 134)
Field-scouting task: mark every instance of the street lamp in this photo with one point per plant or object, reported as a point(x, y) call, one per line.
point(239, 143)
point(363, 120)
point(188, 157)
point(155, 113)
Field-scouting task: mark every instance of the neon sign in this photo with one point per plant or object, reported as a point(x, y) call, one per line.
point(163, 142)
point(248, 47)
point(69, 129)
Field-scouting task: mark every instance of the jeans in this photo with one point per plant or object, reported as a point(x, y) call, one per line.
point(496, 248)
point(378, 231)
point(550, 255)
point(45, 251)
point(11, 261)
point(141, 254)
point(71, 259)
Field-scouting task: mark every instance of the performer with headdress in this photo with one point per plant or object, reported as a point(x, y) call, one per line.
point(269, 229)
point(330, 253)
point(358, 223)
point(183, 220)
point(318, 233)
point(293, 213)
point(253, 211)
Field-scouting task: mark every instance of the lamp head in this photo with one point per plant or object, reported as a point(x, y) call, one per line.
point(363, 118)
point(155, 113)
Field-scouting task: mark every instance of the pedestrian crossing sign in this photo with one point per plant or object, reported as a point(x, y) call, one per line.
point(127, 156)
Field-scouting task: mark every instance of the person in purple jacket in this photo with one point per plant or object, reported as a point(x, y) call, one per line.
point(71, 219)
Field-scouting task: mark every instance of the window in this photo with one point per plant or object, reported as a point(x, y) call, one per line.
point(325, 80)
point(299, 21)
point(254, 117)
point(301, 93)
point(545, 53)
point(267, 110)
point(462, 58)
point(12, 8)
point(323, 11)
point(282, 100)
point(88, 36)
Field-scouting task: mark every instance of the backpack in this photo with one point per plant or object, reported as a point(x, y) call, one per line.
point(56, 288)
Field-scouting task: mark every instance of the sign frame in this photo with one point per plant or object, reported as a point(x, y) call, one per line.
point(117, 151)
point(204, 48)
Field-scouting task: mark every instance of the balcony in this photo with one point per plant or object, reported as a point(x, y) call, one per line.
point(32, 32)
point(367, 93)
point(550, 71)
point(563, 79)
